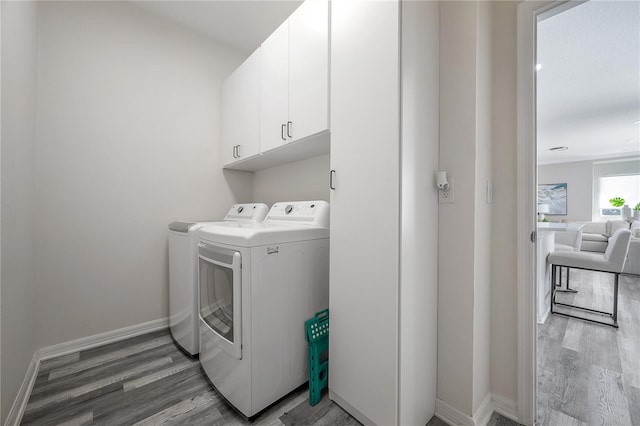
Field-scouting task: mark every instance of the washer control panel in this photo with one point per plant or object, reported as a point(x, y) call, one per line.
point(311, 212)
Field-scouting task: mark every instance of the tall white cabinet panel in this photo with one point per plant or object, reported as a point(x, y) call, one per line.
point(241, 112)
point(384, 225)
point(365, 148)
point(309, 69)
point(274, 89)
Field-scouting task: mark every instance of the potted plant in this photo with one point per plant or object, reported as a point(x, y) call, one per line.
point(617, 201)
point(636, 212)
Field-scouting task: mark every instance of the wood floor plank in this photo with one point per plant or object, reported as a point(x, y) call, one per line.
point(63, 383)
point(110, 356)
point(177, 413)
point(558, 418)
point(573, 335)
point(140, 403)
point(158, 375)
point(607, 398)
point(633, 399)
point(83, 419)
point(89, 387)
point(207, 416)
point(49, 364)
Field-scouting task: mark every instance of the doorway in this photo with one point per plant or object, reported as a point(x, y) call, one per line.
point(585, 101)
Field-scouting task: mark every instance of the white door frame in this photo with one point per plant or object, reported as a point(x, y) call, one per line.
point(528, 13)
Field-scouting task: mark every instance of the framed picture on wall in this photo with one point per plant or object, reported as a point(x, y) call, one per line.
point(553, 195)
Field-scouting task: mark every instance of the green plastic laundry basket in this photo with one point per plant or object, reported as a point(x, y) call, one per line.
point(318, 337)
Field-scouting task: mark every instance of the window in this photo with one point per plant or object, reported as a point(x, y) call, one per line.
point(626, 187)
point(615, 179)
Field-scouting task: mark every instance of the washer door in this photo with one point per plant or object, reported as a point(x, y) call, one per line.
point(220, 296)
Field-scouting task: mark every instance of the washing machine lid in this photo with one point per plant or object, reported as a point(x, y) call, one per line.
point(250, 212)
point(181, 226)
point(286, 222)
point(259, 234)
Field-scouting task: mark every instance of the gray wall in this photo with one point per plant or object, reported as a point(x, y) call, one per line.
point(579, 179)
point(19, 65)
point(299, 181)
point(464, 263)
point(504, 262)
point(128, 142)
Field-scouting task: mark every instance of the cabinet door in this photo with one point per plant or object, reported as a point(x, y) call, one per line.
point(240, 111)
point(365, 153)
point(274, 88)
point(309, 69)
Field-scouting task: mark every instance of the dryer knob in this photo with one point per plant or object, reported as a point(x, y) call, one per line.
point(288, 209)
point(240, 209)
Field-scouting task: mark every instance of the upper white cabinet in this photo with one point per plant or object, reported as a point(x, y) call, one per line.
point(241, 111)
point(309, 69)
point(293, 101)
point(274, 89)
point(294, 77)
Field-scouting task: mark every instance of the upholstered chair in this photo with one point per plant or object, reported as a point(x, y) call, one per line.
point(611, 261)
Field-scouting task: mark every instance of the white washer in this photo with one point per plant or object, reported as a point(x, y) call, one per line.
point(183, 272)
point(258, 284)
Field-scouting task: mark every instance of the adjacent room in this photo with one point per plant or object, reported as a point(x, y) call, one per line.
point(588, 164)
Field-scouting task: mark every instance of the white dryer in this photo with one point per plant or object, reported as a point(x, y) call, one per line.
point(183, 272)
point(258, 284)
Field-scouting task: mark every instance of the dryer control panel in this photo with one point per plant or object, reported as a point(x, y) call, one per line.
point(310, 212)
point(254, 212)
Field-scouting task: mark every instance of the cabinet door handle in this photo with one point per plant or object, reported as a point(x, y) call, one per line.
point(238, 151)
point(282, 132)
point(234, 151)
point(331, 175)
point(289, 129)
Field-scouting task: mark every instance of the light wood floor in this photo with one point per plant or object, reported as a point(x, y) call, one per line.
point(589, 373)
point(147, 380)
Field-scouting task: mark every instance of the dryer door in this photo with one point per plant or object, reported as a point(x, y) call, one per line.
point(220, 296)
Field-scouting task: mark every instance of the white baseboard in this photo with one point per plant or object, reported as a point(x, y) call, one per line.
point(452, 416)
point(491, 403)
point(19, 404)
point(102, 339)
point(505, 407)
point(483, 413)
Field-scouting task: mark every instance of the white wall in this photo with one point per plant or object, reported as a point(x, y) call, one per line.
point(579, 179)
point(455, 283)
point(19, 65)
point(419, 213)
point(483, 210)
point(299, 181)
point(504, 218)
point(128, 142)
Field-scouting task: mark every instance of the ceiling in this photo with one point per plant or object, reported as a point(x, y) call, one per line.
point(240, 24)
point(589, 82)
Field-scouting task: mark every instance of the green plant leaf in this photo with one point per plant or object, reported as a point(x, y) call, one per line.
point(617, 202)
point(637, 207)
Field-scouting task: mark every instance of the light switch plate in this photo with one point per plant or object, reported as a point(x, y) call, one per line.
point(447, 196)
point(489, 192)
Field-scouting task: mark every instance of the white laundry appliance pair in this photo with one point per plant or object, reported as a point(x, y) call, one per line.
point(259, 282)
point(183, 272)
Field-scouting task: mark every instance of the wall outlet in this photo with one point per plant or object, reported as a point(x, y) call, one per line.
point(448, 195)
